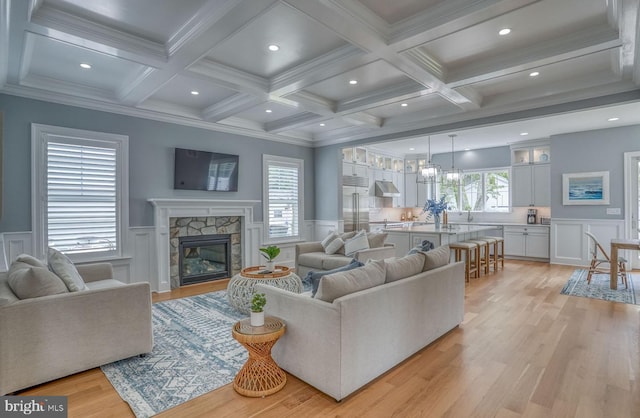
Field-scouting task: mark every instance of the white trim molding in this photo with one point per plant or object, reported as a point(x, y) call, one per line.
point(174, 208)
point(569, 244)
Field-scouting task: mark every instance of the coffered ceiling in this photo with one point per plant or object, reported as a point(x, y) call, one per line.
point(344, 69)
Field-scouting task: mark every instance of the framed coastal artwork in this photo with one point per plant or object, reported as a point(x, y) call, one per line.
point(585, 188)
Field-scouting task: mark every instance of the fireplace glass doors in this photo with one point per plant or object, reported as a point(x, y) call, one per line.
point(204, 258)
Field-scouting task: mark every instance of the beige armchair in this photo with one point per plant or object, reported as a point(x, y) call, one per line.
point(49, 337)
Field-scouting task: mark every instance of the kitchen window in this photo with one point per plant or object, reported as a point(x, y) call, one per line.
point(479, 191)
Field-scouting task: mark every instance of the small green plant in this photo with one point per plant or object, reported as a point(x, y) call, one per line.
point(270, 252)
point(257, 302)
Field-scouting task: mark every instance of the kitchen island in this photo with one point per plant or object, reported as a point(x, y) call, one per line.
point(412, 235)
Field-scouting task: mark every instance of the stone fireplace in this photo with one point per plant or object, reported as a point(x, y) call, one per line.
point(204, 248)
point(202, 217)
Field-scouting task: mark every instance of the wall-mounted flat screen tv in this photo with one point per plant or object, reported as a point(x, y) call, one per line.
point(204, 170)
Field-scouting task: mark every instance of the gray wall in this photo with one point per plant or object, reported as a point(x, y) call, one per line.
point(599, 150)
point(151, 146)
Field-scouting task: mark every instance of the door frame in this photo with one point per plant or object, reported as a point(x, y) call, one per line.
point(631, 198)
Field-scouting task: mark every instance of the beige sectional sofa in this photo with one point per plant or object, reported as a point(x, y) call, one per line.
point(49, 337)
point(311, 256)
point(340, 346)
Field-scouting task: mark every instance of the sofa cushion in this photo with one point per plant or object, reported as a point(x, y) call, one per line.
point(334, 261)
point(64, 268)
point(336, 285)
point(357, 243)
point(31, 260)
point(325, 242)
point(28, 282)
point(437, 257)
point(376, 240)
point(400, 268)
point(345, 236)
point(104, 284)
point(334, 246)
point(313, 277)
point(313, 260)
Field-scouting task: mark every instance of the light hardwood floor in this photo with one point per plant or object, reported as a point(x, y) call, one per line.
point(524, 350)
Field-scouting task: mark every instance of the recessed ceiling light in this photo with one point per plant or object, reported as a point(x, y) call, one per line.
point(85, 65)
point(412, 149)
point(353, 82)
point(404, 105)
point(268, 111)
point(504, 31)
point(467, 149)
point(322, 124)
point(613, 119)
point(195, 92)
point(524, 133)
point(534, 74)
point(273, 47)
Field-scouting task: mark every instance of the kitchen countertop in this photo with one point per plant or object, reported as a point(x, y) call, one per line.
point(460, 223)
point(452, 229)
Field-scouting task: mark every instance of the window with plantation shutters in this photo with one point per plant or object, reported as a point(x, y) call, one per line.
point(282, 197)
point(81, 198)
point(80, 192)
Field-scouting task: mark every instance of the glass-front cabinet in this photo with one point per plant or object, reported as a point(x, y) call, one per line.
point(534, 152)
point(358, 155)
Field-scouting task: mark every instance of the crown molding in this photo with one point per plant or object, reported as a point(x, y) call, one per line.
point(230, 106)
point(230, 78)
point(393, 94)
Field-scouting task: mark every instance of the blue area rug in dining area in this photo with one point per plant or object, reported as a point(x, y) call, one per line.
point(193, 353)
point(599, 287)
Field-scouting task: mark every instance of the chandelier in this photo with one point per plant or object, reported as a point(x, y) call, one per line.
point(430, 172)
point(454, 174)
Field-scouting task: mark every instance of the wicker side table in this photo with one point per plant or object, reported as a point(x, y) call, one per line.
point(241, 287)
point(260, 376)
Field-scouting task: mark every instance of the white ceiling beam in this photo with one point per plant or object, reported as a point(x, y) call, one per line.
point(233, 21)
point(575, 45)
point(88, 34)
point(362, 118)
point(230, 106)
point(292, 122)
point(228, 77)
point(447, 17)
point(403, 91)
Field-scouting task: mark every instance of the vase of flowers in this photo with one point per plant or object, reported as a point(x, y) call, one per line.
point(435, 208)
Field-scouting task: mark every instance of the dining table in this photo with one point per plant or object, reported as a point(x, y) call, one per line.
point(620, 244)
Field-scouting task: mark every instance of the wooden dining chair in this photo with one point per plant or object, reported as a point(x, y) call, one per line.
point(599, 256)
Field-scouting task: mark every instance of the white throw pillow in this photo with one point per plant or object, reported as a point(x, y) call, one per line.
point(334, 246)
point(28, 282)
point(357, 243)
point(64, 268)
point(325, 242)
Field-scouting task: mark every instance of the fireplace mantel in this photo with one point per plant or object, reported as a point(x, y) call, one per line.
point(174, 208)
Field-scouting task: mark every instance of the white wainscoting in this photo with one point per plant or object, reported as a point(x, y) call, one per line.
point(322, 228)
point(16, 243)
point(569, 244)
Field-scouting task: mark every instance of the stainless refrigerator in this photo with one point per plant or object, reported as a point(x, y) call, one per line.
point(355, 203)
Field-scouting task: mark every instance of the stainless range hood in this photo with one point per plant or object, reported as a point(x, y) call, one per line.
point(386, 189)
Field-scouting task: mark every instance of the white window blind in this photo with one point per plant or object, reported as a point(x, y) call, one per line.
point(81, 198)
point(283, 197)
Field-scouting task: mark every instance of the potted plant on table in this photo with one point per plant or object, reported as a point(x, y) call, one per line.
point(257, 309)
point(270, 253)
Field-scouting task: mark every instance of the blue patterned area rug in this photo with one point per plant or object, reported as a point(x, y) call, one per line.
point(599, 287)
point(193, 353)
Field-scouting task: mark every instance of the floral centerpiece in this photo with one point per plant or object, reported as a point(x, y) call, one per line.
point(435, 208)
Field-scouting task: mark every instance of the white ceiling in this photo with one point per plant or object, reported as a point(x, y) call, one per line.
point(444, 59)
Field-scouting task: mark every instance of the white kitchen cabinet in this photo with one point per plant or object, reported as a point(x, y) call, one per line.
point(402, 240)
point(531, 185)
point(410, 190)
point(526, 241)
point(530, 152)
point(398, 180)
point(352, 169)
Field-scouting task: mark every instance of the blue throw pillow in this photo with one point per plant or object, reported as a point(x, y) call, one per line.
point(314, 277)
point(425, 245)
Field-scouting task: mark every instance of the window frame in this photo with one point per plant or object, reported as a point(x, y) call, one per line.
point(267, 161)
point(483, 172)
point(41, 135)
